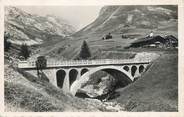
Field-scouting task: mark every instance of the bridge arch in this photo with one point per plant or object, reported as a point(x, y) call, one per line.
point(126, 68)
point(83, 71)
point(141, 68)
point(133, 70)
point(115, 71)
point(60, 77)
point(72, 76)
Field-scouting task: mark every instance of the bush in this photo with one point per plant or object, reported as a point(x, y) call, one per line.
point(108, 36)
point(41, 63)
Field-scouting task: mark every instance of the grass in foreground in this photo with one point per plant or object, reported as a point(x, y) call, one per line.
point(26, 95)
point(28, 99)
point(156, 90)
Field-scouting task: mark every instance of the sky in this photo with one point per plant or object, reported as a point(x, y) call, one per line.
point(78, 16)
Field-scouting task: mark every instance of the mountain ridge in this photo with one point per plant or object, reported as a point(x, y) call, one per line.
point(119, 20)
point(112, 18)
point(33, 29)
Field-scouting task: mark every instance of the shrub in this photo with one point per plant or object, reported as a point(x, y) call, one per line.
point(41, 63)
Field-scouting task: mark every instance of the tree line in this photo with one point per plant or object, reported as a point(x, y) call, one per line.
point(24, 48)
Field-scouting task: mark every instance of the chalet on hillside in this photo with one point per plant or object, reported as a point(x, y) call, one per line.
point(156, 41)
point(172, 41)
point(108, 36)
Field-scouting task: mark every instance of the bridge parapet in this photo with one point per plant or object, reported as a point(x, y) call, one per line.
point(31, 64)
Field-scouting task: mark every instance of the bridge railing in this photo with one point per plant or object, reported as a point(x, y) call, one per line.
point(87, 62)
point(31, 64)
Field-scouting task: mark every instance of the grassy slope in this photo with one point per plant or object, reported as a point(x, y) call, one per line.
point(23, 94)
point(156, 90)
point(96, 44)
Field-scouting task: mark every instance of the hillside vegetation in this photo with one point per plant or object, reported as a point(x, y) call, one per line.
point(26, 93)
point(156, 90)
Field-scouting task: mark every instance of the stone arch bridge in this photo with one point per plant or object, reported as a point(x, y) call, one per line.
point(71, 75)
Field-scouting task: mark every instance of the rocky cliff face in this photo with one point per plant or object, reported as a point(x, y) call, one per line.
point(33, 29)
point(123, 18)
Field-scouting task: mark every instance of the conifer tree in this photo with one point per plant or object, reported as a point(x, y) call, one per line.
point(24, 51)
point(85, 51)
point(7, 44)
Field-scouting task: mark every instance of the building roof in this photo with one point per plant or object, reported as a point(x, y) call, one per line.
point(154, 39)
point(150, 39)
point(172, 38)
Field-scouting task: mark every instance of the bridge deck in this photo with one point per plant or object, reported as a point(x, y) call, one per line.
point(51, 64)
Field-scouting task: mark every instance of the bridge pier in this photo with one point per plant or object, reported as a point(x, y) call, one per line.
point(51, 75)
point(137, 74)
point(78, 75)
point(66, 84)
